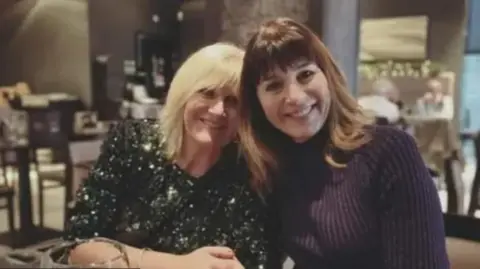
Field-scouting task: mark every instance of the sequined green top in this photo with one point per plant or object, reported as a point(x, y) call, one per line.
point(135, 195)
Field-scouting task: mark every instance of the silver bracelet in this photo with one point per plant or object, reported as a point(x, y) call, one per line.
point(116, 244)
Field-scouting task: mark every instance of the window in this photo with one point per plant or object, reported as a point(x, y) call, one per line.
point(473, 27)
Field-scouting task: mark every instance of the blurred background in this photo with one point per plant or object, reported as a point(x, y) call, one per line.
point(72, 68)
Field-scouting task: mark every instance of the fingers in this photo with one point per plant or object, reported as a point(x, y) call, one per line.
point(220, 252)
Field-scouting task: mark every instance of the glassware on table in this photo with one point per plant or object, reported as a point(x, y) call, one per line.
point(59, 256)
point(15, 129)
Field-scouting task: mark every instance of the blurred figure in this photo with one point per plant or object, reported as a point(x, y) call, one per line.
point(381, 103)
point(436, 102)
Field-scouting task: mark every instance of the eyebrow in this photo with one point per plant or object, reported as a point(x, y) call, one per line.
point(297, 64)
point(301, 64)
point(268, 76)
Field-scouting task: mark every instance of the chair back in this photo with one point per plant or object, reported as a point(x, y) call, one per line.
point(44, 129)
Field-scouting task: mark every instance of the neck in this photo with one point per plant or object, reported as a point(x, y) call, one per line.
point(197, 159)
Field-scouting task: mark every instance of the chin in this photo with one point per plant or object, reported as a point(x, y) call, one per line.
point(210, 141)
point(301, 139)
point(304, 135)
point(205, 140)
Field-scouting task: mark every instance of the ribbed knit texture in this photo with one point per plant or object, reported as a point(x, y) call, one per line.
point(380, 212)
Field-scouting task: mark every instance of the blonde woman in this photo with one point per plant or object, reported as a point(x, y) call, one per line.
point(176, 187)
point(348, 195)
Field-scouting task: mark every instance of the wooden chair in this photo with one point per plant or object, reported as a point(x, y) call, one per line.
point(45, 133)
point(7, 193)
point(474, 203)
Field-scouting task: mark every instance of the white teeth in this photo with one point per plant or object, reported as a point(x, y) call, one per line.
point(302, 112)
point(213, 125)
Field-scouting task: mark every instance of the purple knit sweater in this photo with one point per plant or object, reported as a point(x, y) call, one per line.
point(380, 212)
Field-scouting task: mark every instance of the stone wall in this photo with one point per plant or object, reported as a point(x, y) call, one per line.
point(239, 18)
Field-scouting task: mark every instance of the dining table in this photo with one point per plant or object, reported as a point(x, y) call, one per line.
point(28, 232)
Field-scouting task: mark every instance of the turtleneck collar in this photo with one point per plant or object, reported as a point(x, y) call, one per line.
point(316, 143)
point(293, 153)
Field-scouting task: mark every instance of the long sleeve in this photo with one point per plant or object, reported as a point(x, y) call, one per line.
point(255, 245)
point(275, 254)
point(448, 109)
point(97, 201)
point(412, 230)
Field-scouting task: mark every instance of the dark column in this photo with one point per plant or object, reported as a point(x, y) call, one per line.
point(338, 24)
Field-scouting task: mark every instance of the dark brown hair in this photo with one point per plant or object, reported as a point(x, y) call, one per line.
point(279, 43)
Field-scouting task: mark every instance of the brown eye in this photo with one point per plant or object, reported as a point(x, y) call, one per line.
point(305, 76)
point(231, 101)
point(273, 86)
point(208, 93)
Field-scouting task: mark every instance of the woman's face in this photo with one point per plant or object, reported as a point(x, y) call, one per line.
point(296, 101)
point(211, 117)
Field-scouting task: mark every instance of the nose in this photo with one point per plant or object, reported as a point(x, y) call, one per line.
point(295, 93)
point(218, 108)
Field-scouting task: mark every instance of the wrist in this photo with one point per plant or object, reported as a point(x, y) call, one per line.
point(160, 260)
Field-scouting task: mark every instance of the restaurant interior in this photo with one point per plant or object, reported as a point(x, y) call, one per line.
point(73, 68)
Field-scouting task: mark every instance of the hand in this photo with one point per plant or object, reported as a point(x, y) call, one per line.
point(210, 258)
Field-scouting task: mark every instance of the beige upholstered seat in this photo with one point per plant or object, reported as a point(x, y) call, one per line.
point(463, 254)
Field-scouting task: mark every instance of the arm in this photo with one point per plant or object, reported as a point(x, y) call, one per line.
point(448, 108)
point(95, 211)
point(411, 219)
point(394, 114)
point(137, 258)
point(276, 257)
point(256, 243)
point(96, 203)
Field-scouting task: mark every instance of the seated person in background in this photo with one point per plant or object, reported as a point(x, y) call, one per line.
point(436, 102)
point(379, 104)
point(176, 187)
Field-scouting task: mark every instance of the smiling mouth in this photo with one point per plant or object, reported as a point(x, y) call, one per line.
point(213, 125)
point(302, 112)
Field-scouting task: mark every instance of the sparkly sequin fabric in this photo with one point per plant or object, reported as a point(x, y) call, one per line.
point(136, 196)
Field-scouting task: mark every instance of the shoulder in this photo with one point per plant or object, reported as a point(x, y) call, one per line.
point(134, 128)
point(388, 144)
point(132, 133)
point(395, 150)
point(385, 138)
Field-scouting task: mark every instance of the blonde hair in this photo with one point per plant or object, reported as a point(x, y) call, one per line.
point(215, 66)
point(279, 43)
